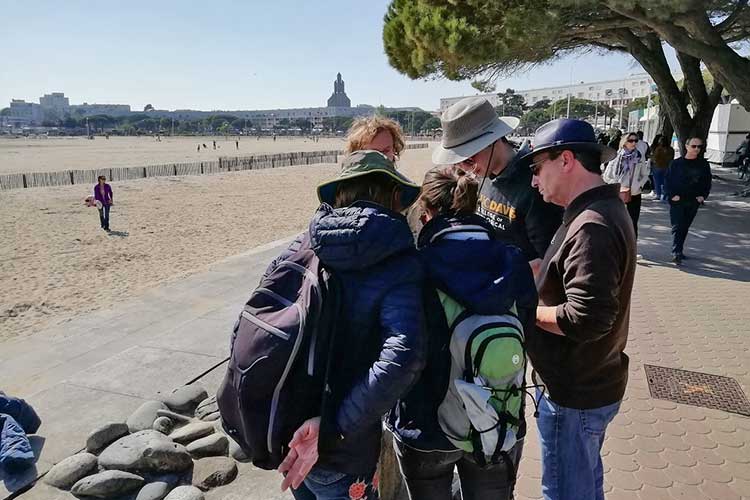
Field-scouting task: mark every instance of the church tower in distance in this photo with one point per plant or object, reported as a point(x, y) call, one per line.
point(339, 98)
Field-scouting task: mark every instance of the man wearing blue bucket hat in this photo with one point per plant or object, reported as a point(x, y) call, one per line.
point(474, 141)
point(584, 287)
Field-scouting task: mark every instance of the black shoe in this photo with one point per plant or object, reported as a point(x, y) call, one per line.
point(684, 257)
point(677, 259)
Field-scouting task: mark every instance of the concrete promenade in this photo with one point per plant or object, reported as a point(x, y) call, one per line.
point(100, 367)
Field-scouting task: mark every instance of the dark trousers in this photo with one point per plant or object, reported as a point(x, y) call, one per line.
point(681, 215)
point(429, 475)
point(634, 209)
point(104, 216)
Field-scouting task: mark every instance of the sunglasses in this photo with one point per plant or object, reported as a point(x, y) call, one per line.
point(536, 167)
point(632, 140)
point(696, 146)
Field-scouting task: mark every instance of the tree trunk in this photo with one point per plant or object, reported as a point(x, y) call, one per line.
point(667, 130)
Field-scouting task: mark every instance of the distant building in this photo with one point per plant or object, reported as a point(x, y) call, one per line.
point(87, 109)
point(339, 105)
point(55, 104)
point(339, 99)
point(616, 93)
point(24, 113)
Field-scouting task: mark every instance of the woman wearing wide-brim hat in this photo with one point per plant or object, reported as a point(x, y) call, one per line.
point(360, 236)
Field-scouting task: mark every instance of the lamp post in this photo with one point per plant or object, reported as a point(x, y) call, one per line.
point(570, 91)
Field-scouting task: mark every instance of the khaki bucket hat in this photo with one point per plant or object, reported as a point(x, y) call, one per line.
point(367, 162)
point(469, 126)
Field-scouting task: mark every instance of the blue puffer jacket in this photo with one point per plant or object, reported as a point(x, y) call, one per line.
point(380, 341)
point(463, 259)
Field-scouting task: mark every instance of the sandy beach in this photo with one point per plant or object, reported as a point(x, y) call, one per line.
point(27, 154)
point(55, 261)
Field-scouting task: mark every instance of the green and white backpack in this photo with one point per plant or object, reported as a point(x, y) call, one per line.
point(482, 412)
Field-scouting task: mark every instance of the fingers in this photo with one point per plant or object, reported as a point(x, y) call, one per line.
point(294, 477)
point(288, 461)
point(299, 436)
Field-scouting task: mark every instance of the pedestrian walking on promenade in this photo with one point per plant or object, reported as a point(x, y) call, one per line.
point(577, 349)
point(688, 183)
point(481, 283)
point(661, 157)
point(360, 236)
point(614, 141)
point(474, 140)
point(376, 133)
point(103, 195)
point(630, 170)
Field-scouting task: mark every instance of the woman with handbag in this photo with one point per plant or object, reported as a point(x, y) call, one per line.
point(629, 169)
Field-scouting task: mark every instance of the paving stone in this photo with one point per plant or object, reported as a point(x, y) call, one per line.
point(678, 458)
point(647, 444)
point(622, 494)
point(695, 426)
point(528, 488)
point(624, 481)
point(718, 491)
point(736, 455)
point(658, 478)
point(621, 446)
point(672, 428)
point(741, 487)
point(648, 492)
point(676, 443)
point(68, 472)
point(650, 460)
point(700, 441)
point(621, 462)
point(684, 475)
point(730, 439)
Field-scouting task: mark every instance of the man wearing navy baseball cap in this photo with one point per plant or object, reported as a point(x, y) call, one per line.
point(585, 284)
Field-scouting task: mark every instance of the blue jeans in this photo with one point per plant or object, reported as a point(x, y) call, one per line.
point(571, 442)
point(321, 484)
point(659, 176)
point(104, 216)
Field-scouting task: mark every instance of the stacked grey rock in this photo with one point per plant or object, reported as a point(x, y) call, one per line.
point(143, 418)
point(105, 435)
point(68, 472)
point(173, 448)
point(107, 484)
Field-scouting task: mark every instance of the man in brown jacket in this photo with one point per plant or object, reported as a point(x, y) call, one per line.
point(584, 284)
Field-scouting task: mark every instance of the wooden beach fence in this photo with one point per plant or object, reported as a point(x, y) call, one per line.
point(223, 164)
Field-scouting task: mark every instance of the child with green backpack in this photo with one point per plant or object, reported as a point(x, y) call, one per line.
point(467, 409)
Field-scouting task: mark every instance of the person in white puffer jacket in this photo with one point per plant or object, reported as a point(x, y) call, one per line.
point(630, 170)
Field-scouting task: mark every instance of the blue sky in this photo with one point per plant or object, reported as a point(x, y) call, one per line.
point(227, 55)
